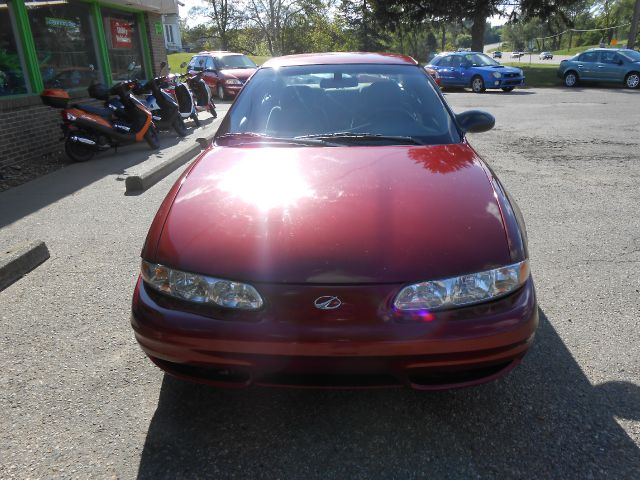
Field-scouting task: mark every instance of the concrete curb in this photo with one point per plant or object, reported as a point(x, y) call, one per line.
point(20, 260)
point(140, 183)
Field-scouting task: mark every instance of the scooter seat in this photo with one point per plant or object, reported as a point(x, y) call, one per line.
point(102, 111)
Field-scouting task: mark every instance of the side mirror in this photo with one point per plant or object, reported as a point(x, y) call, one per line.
point(475, 121)
point(466, 65)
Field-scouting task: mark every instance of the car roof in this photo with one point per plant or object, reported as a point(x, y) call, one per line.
point(219, 53)
point(338, 58)
point(606, 49)
point(456, 53)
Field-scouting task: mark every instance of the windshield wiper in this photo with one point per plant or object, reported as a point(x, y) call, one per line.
point(365, 137)
point(262, 138)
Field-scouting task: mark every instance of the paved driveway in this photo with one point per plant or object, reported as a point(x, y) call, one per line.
point(78, 399)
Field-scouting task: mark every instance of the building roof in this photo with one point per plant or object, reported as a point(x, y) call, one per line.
point(336, 58)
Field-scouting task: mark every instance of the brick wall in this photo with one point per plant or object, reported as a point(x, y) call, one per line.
point(156, 41)
point(29, 131)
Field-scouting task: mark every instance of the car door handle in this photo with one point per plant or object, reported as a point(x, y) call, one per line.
point(580, 66)
point(600, 66)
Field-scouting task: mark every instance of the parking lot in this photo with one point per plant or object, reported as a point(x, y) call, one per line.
point(78, 398)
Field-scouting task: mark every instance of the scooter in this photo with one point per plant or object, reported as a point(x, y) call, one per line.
point(184, 96)
point(165, 110)
point(201, 91)
point(88, 129)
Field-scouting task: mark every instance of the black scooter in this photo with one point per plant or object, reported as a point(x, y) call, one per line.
point(164, 108)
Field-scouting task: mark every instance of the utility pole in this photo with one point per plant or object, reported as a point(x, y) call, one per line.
point(633, 31)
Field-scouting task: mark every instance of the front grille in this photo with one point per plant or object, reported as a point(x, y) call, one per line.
point(447, 377)
point(329, 380)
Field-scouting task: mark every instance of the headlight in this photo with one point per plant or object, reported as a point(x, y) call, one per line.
point(199, 288)
point(233, 81)
point(497, 75)
point(463, 290)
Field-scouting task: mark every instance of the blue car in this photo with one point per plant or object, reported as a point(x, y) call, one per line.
point(476, 71)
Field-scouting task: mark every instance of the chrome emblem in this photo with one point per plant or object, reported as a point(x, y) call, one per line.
point(327, 303)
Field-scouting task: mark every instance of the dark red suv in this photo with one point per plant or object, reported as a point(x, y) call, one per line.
point(225, 72)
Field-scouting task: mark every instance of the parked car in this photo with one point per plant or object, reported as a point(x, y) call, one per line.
point(497, 54)
point(517, 54)
point(324, 240)
point(546, 55)
point(434, 74)
point(476, 71)
point(225, 72)
point(607, 65)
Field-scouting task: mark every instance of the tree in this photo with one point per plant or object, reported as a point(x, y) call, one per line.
point(275, 18)
point(223, 16)
point(633, 31)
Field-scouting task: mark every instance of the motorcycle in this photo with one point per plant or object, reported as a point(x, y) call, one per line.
point(88, 129)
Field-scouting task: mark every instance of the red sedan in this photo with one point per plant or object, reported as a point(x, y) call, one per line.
point(340, 232)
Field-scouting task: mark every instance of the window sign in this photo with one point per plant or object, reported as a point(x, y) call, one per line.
point(60, 22)
point(121, 34)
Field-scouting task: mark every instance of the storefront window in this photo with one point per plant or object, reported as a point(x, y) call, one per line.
point(123, 42)
point(12, 80)
point(63, 37)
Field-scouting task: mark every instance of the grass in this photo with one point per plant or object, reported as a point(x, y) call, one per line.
point(538, 75)
point(175, 59)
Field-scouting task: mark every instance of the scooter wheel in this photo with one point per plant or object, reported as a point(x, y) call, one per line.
point(179, 126)
point(151, 137)
point(196, 120)
point(78, 152)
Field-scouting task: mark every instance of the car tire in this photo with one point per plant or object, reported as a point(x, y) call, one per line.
point(632, 80)
point(477, 84)
point(221, 94)
point(508, 89)
point(570, 79)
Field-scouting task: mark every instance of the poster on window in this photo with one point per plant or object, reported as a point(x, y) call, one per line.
point(120, 34)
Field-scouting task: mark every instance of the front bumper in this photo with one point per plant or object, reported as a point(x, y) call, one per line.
point(506, 82)
point(451, 349)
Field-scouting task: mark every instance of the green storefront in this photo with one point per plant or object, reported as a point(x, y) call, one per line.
point(58, 43)
point(67, 44)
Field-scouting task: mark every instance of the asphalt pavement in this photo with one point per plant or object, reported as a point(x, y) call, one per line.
point(78, 398)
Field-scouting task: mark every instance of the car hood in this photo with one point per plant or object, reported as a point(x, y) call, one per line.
point(239, 73)
point(335, 215)
point(499, 68)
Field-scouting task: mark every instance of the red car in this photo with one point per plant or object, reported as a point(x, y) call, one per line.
point(434, 74)
point(339, 232)
point(225, 72)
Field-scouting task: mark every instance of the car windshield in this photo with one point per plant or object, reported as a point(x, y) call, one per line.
point(236, 61)
point(343, 104)
point(480, 60)
point(631, 55)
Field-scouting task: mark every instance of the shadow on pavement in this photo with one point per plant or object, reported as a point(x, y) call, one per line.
point(544, 420)
point(489, 92)
point(40, 192)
